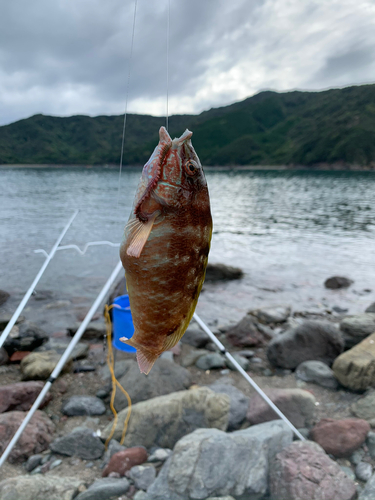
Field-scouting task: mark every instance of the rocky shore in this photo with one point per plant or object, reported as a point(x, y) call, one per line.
point(197, 429)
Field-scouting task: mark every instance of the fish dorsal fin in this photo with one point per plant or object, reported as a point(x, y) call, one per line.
point(138, 233)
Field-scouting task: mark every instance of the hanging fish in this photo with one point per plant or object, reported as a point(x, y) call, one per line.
point(166, 245)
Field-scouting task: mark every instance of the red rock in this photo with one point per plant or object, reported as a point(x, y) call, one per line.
point(340, 437)
point(21, 396)
point(302, 471)
point(61, 385)
point(36, 437)
point(124, 460)
point(18, 356)
point(247, 334)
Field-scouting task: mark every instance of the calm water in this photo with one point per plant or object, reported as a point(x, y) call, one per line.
point(288, 231)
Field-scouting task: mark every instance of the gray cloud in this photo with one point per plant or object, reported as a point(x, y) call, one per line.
point(72, 56)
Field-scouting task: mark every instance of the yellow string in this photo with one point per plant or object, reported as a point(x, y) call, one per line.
point(115, 382)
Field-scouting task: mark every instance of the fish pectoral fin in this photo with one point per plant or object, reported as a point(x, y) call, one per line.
point(172, 340)
point(138, 234)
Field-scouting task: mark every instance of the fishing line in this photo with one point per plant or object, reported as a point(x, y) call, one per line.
point(168, 29)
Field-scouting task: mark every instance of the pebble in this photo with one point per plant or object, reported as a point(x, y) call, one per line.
point(348, 471)
point(160, 455)
point(210, 361)
point(55, 464)
point(256, 360)
point(363, 471)
point(37, 470)
point(356, 456)
point(33, 462)
point(241, 360)
point(370, 442)
point(142, 475)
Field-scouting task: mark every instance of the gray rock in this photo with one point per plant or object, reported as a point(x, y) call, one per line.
point(165, 377)
point(365, 406)
point(249, 333)
point(168, 355)
point(227, 497)
point(104, 489)
point(296, 404)
point(363, 471)
point(210, 462)
point(370, 442)
point(274, 314)
point(191, 357)
point(80, 350)
point(357, 328)
point(195, 337)
point(4, 296)
point(304, 471)
point(141, 495)
point(5, 317)
point(238, 403)
point(317, 372)
point(55, 464)
point(368, 492)
point(113, 447)
point(83, 405)
point(40, 365)
point(26, 337)
point(348, 471)
point(4, 358)
point(313, 340)
point(95, 329)
point(121, 368)
point(221, 272)
point(241, 360)
point(143, 476)
point(210, 361)
point(247, 353)
point(82, 442)
point(337, 282)
point(356, 456)
point(164, 420)
point(33, 462)
point(39, 487)
point(371, 308)
point(160, 455)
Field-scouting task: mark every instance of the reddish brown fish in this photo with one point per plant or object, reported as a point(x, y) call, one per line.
point(166, 245)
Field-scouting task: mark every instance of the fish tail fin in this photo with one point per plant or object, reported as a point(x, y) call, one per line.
point(145, 358)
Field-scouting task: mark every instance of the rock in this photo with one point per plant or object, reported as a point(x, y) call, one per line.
point(274, 314)
point(159, 455)
point(340, 437)
point(221, 272)
point(371, 308)
point(312, 340)
point(370, 442)
point(40, 488)
point(18, 356)
point(357, 328)
point(121, 367)
point(124, 460)
point(21, 396)
point(247, 333)
point(164, 420)
point(82, 442)
point(302, 471)
point(337, 282)
point(33, 461)
point(43, 295)
point(95, 330)
point(241, 360)
point(80, 350)
point(246, 353)
point(369, 490)
point(317, 372)
point(355, 368)
point(83, 405)
point(113, 447)
point(296, 404)
point(210, 361)
point(5, 317)
point(348, 471)
point(4, 358)
point(40, 365)
point(238, 402)
point(210, 462)
point(4, 296)
point(104, 489)
point(141, 495)
point(339, 310)
point(363, 471)
point(195, 337)
point(35, 438)
point(365, 407)
point(191, 357)
point(168, 355)
point(165, 377)
point(357, 456)
point(27, 337)
point(143, 476)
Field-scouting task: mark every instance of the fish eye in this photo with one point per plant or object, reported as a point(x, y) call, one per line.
point(191, 167)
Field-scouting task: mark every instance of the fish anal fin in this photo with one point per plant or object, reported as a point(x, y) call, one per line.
point(146, 360)
point(138, 234)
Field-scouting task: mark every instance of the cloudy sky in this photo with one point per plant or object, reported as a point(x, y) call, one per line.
point(65, 57)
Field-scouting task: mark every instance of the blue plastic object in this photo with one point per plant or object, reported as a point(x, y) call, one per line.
point(122, 323)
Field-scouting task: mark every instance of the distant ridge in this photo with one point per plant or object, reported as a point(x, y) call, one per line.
point(329, 128)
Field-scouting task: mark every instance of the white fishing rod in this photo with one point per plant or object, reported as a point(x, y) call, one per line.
point(27, 295)
point(64, 358)
point(246, 376)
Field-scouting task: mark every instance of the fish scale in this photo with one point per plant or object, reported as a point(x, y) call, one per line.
point(166, 246)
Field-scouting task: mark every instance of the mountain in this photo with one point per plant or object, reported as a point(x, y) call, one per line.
point(293, 128)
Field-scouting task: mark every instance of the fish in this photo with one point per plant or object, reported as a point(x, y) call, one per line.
point(165, 247)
